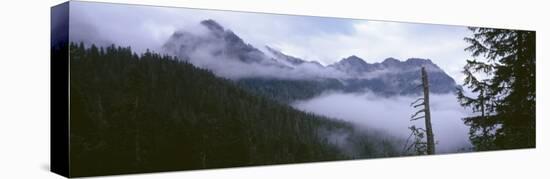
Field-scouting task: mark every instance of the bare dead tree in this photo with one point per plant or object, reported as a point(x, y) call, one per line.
point(423, 102)
point(429, 133)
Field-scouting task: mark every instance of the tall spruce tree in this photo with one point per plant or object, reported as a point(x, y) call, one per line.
point(502, 74)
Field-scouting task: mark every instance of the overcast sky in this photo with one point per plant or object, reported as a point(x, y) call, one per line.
point(325, 40)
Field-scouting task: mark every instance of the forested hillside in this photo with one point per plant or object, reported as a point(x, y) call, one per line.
point(143, 113)
point(288, 91)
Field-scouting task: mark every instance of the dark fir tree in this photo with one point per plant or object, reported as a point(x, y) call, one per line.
point(502, 75)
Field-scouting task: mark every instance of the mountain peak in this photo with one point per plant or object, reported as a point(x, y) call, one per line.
point(352, 64)
point(354, 57)
point(390, 61)
point(212, 25)
point(218, 43)
point(353, 60)
point(418, 61)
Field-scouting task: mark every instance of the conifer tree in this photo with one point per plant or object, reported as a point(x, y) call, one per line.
point(502, 74)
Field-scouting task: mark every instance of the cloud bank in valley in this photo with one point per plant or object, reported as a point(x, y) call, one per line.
point(393, 115)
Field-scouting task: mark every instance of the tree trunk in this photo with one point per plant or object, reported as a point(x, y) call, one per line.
point(429, 133)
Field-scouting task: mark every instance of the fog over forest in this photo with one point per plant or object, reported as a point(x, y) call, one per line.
point(392, 114)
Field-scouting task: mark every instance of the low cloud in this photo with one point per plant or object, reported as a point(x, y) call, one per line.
point(392, 115)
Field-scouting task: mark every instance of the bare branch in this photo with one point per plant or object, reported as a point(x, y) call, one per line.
point(405, 148)
point(415, 101)
point(414, 119)
point(418, 112)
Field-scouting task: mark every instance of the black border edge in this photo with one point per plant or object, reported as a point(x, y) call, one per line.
point(59, 89)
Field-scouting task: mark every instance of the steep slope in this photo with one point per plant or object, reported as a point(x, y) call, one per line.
point(143, 113)
point(290, 60)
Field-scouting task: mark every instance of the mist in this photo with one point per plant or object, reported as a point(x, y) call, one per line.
point(392, 115)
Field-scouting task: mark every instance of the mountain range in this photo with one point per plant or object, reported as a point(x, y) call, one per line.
point(284, 77)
